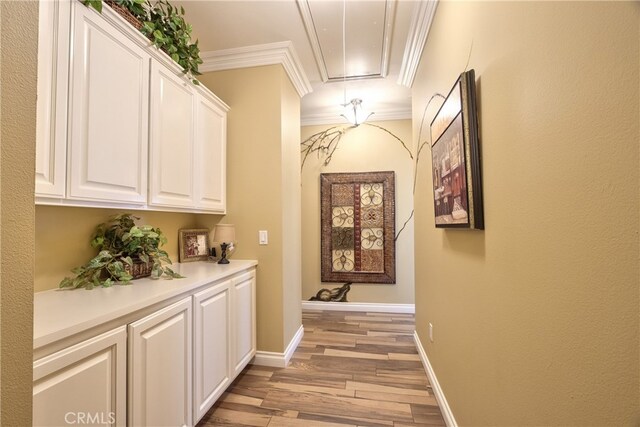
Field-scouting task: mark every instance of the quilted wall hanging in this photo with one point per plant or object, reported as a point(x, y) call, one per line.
point(358, 227)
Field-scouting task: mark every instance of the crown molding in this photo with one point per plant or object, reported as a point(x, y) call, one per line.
point(418, 32)
point(332, 118)
point(258, 55)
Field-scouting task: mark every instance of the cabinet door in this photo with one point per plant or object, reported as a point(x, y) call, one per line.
point(53, 75)
point(244, 320)
point(171, 159)
point(83, 384)
point(211, 346)
point(160, 368)
point(211, 157)
point(108, 112)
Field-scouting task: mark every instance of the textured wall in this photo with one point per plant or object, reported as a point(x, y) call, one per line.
point(363, 149)
point(536, 318)
point(18, 41)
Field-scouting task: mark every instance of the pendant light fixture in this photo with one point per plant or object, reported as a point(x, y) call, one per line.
point(354, 112)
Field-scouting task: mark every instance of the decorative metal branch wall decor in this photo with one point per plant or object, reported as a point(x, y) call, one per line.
point(457, 187)
point(323, 143)
point(358, 227)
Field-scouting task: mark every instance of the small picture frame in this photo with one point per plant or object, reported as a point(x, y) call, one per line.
point(193, 245)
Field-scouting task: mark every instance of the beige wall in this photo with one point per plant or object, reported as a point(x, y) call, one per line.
point(536, 318)
point(18, 40)
point(291, 209)
point(63, 236)
point(255, 179)
point(362, 149)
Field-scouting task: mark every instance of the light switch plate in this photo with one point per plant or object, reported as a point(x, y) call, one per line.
point(263, 237)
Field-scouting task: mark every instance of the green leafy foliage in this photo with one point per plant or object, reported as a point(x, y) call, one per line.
point(134, 6)
point(137, 7)
point(119, 242)
point(96, 4)
point(165, 26)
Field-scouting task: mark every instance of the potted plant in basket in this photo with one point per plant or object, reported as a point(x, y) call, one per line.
point(126, 252)
point(164, 25)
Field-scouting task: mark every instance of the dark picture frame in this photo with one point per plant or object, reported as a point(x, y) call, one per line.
point(455, 159)
point(358, 227)
point(193, 245)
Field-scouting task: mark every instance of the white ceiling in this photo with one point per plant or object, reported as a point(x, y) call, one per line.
point(379, 35)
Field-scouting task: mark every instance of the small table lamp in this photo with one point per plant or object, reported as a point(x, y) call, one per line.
point(225, 234)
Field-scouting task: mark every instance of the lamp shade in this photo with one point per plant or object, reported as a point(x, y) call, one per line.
point(224, 233)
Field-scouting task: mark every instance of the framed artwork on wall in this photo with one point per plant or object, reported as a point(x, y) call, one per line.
point(358, 227)
point(455, 159)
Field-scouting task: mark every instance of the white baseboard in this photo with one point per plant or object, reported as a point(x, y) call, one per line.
point(279, 360)
point(359, 306)
point(449, 419)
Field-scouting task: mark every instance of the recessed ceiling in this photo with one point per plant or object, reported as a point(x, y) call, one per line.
point(357, 31)
point(378, 33)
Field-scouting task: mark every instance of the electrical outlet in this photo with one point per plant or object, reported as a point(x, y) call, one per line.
point(431, 332)
point(263, 237)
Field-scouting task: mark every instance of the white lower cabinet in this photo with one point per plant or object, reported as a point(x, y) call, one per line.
point(163, 364)
point(244, 321)
point(224, 337)
point(212, 309)
point(160, 371)
point(83, 384)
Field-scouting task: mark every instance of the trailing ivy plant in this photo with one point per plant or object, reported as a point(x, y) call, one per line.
point(164, 25)
point(120, 242)
point(166, 28)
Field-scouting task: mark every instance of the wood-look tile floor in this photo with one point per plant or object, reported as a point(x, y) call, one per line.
point(351, 369)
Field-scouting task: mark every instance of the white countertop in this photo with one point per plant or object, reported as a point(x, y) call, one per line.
point(60, 313)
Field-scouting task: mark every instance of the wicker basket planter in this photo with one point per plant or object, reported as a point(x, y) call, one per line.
point(128, 16)
point(139, 269)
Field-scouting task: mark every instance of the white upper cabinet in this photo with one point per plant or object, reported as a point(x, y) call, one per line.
point(53, 77)
point(109, 104)
point(211, 154)
point(118, 124)
point(171, 167)
point(187, 144)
